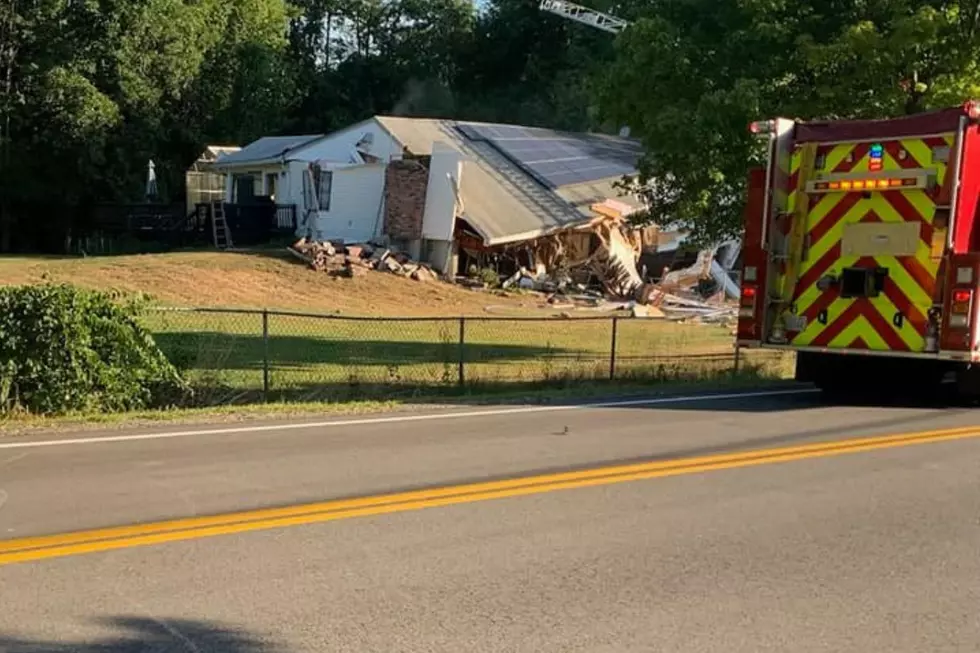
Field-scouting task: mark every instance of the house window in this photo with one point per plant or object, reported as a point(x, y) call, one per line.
point(324, 187)
point(270, 185)
point(323, 184)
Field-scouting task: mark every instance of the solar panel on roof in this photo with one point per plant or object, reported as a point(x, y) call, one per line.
point(555, 158)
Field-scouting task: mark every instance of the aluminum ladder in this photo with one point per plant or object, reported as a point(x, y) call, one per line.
point(219, 226)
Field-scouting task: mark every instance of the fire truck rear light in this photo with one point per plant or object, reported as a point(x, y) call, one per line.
point(972, 110)
point(747, 312)
point(961, 296)
point(749, 273)
point(761, 127)
point(748, 292)
point(964, 275)
point(957, 321)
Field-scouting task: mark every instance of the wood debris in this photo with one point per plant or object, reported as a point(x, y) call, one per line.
point(315, 254)
point(357, 259)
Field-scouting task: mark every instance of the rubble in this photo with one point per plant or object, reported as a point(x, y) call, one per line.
point(315, 254)
point(606, 266)
point(357, 259)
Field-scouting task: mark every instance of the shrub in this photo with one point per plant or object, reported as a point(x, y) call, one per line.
point(65, 349)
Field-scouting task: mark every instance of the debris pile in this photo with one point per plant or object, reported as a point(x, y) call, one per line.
point(610, 265)
point(315, 254)
point(354, 260)
point(606, 265)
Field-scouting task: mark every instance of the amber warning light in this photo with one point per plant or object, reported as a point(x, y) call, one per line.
point(849, 185)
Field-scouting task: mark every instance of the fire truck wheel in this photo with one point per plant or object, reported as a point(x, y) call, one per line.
point(968, 382)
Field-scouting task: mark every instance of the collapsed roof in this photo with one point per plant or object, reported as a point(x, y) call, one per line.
point(520, 183)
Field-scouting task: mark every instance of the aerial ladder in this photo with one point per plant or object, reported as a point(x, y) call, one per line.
point(584, 15)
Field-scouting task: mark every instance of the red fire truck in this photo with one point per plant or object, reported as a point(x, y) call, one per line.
point(862, 249)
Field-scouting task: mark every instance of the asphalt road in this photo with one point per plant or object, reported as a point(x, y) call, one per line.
point(874, 549)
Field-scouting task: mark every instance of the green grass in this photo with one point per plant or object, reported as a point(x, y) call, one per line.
point(312, 358)
point(25, 424)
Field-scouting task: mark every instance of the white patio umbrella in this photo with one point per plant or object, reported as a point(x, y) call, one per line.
point(151, 180)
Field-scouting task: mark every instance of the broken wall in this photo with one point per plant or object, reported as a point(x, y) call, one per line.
point(405, 190)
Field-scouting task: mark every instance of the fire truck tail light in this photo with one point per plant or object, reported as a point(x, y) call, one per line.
point(972, 110)
point(761, 127)
point(749, 273)
point(747, 312)
point(961, 296)
point(964, 275)
point(959, 309)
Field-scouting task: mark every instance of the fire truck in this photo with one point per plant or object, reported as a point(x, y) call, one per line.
point(861, 250)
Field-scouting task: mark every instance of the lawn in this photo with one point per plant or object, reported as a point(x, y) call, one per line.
point(336, 353)
point(267, 278)
point(311, 357)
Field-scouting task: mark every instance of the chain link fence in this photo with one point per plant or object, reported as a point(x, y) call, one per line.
point(248, 355)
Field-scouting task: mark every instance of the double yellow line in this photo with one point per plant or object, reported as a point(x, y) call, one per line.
point(107, 539)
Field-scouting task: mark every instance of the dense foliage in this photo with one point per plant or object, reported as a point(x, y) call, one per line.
point(690, 75)
point(90, 90)
point(64, 349)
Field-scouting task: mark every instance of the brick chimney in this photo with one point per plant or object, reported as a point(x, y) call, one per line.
point(405, 185)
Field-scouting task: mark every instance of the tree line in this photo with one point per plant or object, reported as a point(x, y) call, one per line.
point(92, 89)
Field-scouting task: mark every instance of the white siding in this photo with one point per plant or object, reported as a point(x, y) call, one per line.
point(291, 188)
point(338, 146)
point(355, 204)
point(439, 217)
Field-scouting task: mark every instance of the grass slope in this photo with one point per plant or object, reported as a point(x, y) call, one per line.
point(341, 358)
point(265, 279)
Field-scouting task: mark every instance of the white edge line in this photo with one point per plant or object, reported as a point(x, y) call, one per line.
point(400, 418)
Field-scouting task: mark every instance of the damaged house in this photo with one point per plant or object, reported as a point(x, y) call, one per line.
point(459, 195)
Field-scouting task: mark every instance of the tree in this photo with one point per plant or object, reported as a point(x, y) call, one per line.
point(92, 90)
point(689, 76)
point(525, 66)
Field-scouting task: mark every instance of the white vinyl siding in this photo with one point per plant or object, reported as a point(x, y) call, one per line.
point(355, 205)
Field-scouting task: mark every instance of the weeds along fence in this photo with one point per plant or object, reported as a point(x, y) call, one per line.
point(248, 355)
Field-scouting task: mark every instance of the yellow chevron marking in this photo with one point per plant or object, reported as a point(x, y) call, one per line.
point(860, 327)
point(836, 155)
point(919, 151)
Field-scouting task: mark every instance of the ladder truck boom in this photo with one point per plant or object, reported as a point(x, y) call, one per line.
point(584, 15)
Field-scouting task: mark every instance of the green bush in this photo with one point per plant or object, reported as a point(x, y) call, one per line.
point(64, 349)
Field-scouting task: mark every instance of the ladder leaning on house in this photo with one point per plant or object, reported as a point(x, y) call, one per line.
point(219, 226)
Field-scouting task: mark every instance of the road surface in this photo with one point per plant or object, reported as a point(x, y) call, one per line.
point(760, 522)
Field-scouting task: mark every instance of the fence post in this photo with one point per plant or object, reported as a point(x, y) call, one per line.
point(462, 351)
point(265, 354)
point(612, 350)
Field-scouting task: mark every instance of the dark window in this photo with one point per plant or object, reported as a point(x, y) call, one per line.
point(323, 184)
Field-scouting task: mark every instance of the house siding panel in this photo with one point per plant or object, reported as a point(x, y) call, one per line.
point(355, 205)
